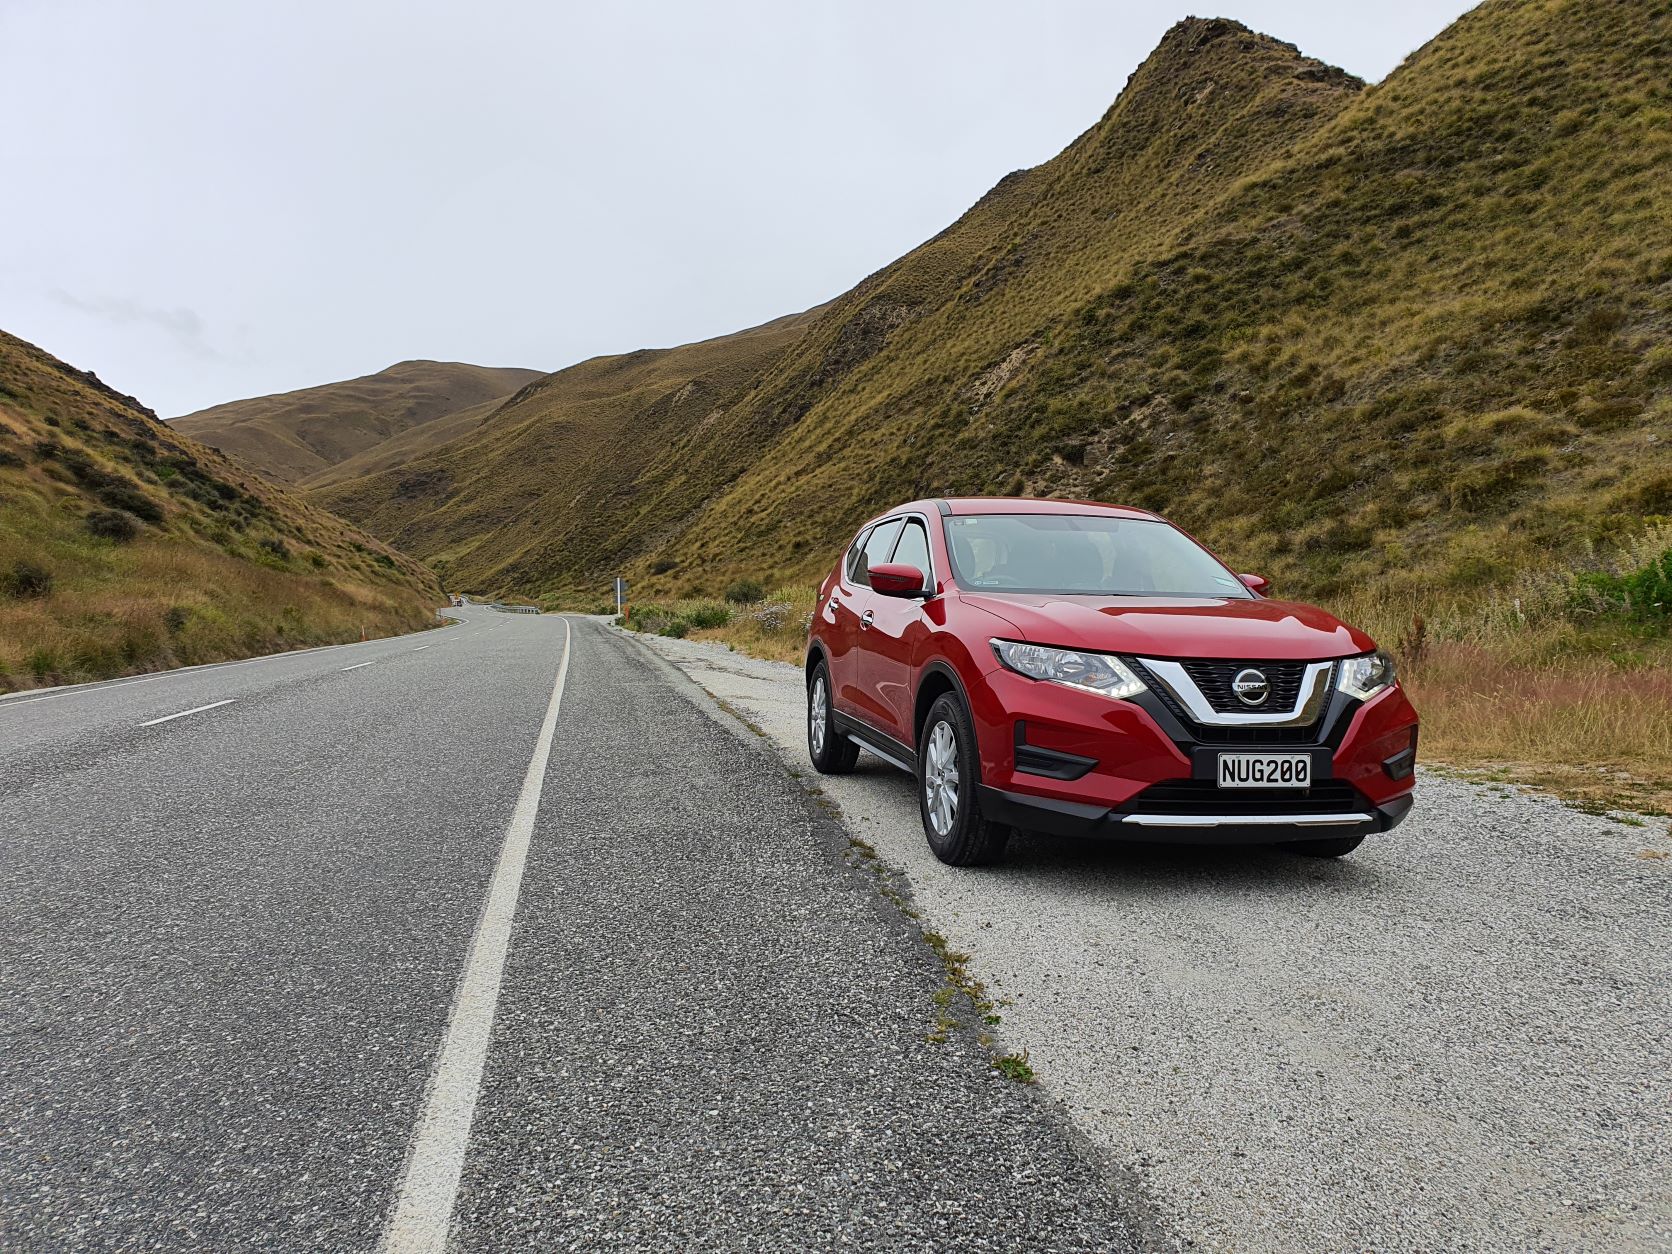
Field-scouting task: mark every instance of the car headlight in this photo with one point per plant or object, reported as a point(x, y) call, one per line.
point(1095, 672)
point(1363, 677)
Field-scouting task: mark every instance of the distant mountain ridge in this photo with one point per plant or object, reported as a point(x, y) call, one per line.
point(1411, 332)
point(295, 437)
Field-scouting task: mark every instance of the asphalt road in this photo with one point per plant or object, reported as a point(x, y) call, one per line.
point(1454, 1039)
point(322, 952)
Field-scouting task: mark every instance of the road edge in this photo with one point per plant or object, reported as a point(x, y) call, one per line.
point(891, 887)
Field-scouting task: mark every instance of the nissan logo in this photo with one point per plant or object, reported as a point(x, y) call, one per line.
point(1251, 687)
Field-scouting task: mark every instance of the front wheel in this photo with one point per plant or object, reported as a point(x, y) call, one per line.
point(831, 752)
point(948, 777)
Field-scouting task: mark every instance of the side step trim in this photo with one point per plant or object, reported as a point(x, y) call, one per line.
point(871, 740)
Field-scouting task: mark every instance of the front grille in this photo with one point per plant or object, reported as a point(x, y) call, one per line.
point(1203, 796)
point(1216, 734)
point(1214, 679)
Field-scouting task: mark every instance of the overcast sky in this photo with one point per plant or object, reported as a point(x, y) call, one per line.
point(205, 201)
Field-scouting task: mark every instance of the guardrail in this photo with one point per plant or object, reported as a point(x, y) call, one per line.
point(513, 609)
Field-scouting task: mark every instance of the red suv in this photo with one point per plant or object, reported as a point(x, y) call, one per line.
point(1083, 669)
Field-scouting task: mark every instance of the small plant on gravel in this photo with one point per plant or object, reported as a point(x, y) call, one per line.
point(1015, 1067)
point(745, 592)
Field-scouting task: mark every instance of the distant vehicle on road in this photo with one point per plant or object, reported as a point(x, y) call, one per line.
point(1091, 670)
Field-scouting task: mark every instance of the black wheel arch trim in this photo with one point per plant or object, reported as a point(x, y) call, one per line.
point(940, 666)
point(816, 653)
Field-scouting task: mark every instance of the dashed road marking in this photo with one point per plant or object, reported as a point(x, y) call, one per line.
point(169, 718)
point(358, 665)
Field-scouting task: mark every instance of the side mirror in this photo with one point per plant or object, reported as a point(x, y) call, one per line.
point(1257, 584)
point(893, 579)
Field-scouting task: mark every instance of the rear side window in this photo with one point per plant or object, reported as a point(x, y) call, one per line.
point(878, 545)
point(913, 549)
point(855, 561)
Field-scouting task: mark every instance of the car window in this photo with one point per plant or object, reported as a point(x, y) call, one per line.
point(1084, 555)
point(878, 546)
point(856, 554)
point(913, 549)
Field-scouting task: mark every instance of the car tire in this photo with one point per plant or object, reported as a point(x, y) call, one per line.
point(948, 789)
point(831, 752)
point(1334, 848)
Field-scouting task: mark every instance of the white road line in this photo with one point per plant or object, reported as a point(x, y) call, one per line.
point(358, 665)
point(168, 718)
point(424, 1208)
point(127, 681)
point(421, 648)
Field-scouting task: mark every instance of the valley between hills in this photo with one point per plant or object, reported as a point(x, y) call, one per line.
point(1403, 347)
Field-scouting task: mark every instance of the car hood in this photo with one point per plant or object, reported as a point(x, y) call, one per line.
point(1177, 627)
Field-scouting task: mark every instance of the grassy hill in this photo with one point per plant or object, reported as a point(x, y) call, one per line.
point(296, 436)
point(553, 472)
point(126, 546)
point(1414, 333)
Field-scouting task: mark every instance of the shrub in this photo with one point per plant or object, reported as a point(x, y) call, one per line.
point(112, 524)
point(675, 627)
point(175, 618)
point(708, 614)
point(662, 565)
point(26, 579)
point(125, 496)
point(745, 592)
point(773, 616)
point(274, 546)
point(1644, 595)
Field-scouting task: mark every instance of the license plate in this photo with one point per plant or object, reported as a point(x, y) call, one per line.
point(1265, 770)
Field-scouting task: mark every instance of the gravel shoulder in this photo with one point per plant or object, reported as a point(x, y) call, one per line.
point(1455, 1038)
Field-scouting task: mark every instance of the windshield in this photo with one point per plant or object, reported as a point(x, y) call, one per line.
point(1085, 555)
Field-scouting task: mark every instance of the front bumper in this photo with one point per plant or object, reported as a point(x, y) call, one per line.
point(1198, 825)
point(1058, 760)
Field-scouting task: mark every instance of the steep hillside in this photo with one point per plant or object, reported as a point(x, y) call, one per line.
point(1131, 182)
point(125, 546)
point(297, 435)
point(1416, 332)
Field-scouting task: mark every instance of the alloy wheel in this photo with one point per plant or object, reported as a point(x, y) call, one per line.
point(940, 779)
point(817, 712)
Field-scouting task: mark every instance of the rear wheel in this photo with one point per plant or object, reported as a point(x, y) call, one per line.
point(1325, 848)
point(948, 776)
point(832, 753)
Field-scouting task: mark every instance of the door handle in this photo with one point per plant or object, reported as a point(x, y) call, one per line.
point(865, 620)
